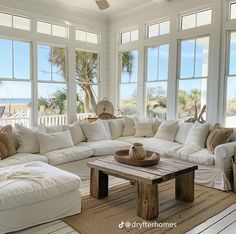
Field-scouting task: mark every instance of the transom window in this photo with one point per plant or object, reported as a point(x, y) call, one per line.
point(85, 36)
point(156, 81)
point(154, 30)
point(129, 36)
point(193, 73)
point(233, 10)
point(196, 19)
point(52, 29)
point(13, 21)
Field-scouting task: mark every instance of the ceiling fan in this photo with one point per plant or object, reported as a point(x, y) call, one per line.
point(102, 4)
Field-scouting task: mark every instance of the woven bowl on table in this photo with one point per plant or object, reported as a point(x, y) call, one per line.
point(122, 156)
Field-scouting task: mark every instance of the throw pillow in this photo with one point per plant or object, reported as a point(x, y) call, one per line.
point(197, 134)
point(218, 135)
point(129, 128)
point(116, 127)
point(7, 146)
point(54, 129)
point(144, 129)
point(27, 139)
point(54, 141)
point(96, 131)
point(77, 133)
point(156, 125)
point(182, 132)
point(167, 130)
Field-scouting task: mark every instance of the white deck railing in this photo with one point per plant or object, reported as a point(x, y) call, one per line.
point(47, 120)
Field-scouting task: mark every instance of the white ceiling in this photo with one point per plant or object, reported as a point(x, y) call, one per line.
point(116, 6)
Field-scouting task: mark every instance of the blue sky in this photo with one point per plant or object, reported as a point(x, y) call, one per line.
point(21, 65)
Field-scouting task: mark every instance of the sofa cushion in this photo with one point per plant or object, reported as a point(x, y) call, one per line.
point(116, 127)
point(197, 134)
point(34, 182)
point(182, 132)
point(54, 141)
point(192, 153)
point(76, 132)
point(106, 147)
point(68, 155)
point(167, 130)
point(27, 139)
point(129, 129)
point(131, 139)
point(218, 135)
point(96, 131)
point(144, 129)
point(159, 145)
point(21, 158)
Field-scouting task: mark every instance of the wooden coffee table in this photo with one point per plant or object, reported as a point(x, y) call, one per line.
point(146, 180)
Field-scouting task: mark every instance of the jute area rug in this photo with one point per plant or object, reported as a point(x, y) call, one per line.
point(117, 213)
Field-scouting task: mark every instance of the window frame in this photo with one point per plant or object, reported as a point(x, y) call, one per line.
point(156, 23)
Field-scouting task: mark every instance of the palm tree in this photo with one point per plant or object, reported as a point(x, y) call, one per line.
point(127, 61)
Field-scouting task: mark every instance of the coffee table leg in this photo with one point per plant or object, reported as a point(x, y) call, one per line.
point(98, 183)
point(184, 187)
point(147, 200)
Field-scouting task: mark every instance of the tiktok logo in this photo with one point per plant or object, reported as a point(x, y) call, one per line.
point(121, 225)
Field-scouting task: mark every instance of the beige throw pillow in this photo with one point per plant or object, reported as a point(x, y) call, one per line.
point(218, 135)
point(54, 141)
point(197, 134)
point(167, 130)
point(76, 131)
point(144, 129)
point(7, 146)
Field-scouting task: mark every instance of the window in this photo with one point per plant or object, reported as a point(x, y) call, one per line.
point(85, 36)
point(15, 82)
point(129, 82)
point(51, 29)
point(231, 83)
point(87, 78)
point(193, 72)
point(13, 21)
point(154, 30)
point(156, 81)
point(52, 85)
point(130, 36)
point(233, 10)
point(196, 19)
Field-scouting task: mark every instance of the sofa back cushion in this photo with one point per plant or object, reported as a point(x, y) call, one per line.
point(54, 141)
point(76, 132)
point(96, 131)
point(144, 129)
point(218, 135)
point(129, 128)
point(116, 127)
point(7, 146)
point(27, 139)
point(197, 134)
point(182, 132)
point(167, 130)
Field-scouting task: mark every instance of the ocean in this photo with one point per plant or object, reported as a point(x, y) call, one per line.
point(8, 101)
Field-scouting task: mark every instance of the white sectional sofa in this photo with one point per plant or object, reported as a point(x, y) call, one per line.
point(103, 138)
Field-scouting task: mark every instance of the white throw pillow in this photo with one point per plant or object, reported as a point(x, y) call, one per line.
point(96, 131)
point(54, 141)
point(156, 125)
point(116, 127)
point(167, 130)
point(129, 129)
point(182, 132)
point(197, 134)
point(144, 129)
point(76, 132)
point(27, 139)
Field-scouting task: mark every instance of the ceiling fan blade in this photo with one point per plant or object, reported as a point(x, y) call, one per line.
point(102, 4)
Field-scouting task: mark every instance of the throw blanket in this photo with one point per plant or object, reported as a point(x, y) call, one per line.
point(21, 172)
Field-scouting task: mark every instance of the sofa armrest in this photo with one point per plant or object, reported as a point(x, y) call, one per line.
point(223, 156)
